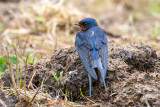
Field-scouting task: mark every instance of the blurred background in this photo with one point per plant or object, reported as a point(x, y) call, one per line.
point(39, 27)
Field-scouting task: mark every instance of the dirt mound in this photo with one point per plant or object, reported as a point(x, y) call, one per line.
point(133, 76)
point(10, 100)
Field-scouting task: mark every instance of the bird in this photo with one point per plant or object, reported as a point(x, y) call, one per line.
point(92, 47)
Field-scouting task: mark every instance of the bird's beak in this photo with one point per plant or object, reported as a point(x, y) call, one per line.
point(77, 24)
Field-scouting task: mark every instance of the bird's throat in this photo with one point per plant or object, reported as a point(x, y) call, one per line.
point(82, 27)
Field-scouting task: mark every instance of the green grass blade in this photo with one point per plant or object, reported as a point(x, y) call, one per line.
point(55, 76)
point(61, 74)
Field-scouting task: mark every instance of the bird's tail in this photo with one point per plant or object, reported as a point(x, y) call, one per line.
point(97, 65)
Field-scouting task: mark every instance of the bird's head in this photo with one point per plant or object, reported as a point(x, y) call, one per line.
point(87, 23)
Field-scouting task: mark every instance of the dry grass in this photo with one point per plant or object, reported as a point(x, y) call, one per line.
point(43, 22)
point(39, 27)
point(51, 25)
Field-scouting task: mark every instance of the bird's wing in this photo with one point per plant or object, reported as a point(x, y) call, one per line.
point(83, 52)
point(102, 45)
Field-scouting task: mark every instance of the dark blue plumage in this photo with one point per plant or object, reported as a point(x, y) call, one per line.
point(92, 47)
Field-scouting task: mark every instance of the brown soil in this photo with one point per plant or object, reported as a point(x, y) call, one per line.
point(133, 77)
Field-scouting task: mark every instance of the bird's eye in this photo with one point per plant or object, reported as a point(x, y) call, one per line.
point(85, 23)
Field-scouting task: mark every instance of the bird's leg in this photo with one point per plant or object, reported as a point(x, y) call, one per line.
point(104, 82)
point(90, 84)
point(103, 79)
point(105, 85)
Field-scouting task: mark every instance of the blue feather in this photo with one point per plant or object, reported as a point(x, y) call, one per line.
point(92, 48)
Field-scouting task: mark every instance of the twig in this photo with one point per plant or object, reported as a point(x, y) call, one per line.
point(112, 34)
point(3, 104)
point(53, 32)
point(10, 68)
point(24, 51)
point(12, 74)
point(55, 42)
point(90, 100)
point(86, 97)
point(30, 82)
point(34, 97)
point(25, 73)
point(17, 71)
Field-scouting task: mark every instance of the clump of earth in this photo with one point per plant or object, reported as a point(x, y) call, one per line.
point(133, 76)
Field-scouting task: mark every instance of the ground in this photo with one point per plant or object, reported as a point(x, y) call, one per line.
point(55, 76)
